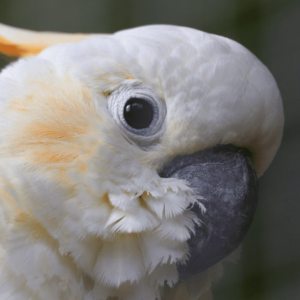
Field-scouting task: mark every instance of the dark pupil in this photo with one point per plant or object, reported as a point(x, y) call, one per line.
point(138, 113)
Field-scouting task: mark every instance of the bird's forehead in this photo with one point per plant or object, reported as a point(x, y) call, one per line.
point(150, 53)
point(169, 59)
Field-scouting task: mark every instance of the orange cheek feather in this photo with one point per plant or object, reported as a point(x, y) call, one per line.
point(54, 126)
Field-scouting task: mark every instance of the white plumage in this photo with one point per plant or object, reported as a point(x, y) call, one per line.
point(84, 213)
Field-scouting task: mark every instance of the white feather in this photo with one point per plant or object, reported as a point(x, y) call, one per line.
point(84, 213)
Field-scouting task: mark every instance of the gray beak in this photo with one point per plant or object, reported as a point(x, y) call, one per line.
point(225, 177)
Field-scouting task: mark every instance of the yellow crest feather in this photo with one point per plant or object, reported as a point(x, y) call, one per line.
point(22, 43)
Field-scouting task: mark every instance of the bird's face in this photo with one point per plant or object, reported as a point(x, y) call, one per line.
point(95, 135)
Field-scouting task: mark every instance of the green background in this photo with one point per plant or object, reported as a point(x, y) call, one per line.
point(269, 268)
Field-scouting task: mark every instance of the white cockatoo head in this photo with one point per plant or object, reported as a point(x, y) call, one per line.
point(94, 136)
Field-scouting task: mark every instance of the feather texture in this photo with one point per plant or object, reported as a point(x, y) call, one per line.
point(84, 213)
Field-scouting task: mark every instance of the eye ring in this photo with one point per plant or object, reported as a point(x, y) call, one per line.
point(150, 129)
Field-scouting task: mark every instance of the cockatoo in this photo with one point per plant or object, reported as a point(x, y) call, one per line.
point(128, 162)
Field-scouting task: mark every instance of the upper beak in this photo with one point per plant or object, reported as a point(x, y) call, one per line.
point(225, 177)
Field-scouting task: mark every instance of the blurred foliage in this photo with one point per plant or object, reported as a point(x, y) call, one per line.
point(269, 268)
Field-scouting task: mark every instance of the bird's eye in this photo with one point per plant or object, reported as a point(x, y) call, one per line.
point(138, 113)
